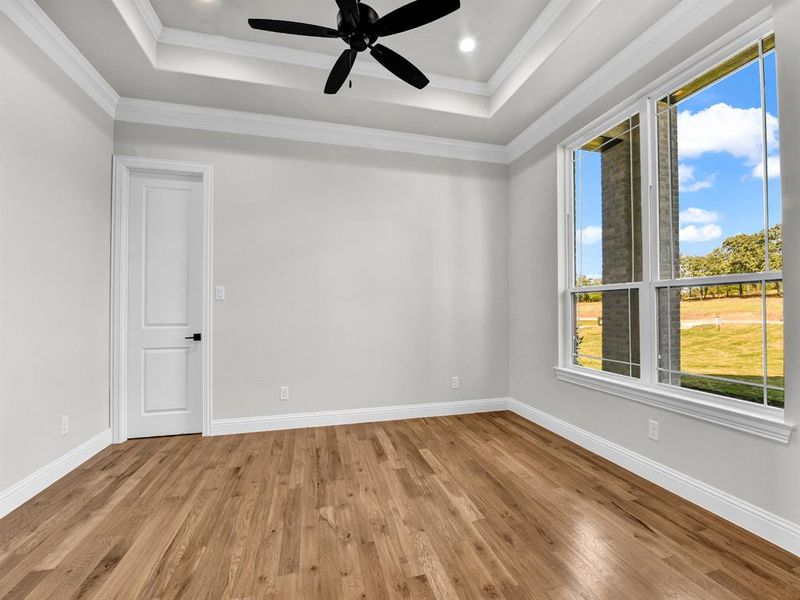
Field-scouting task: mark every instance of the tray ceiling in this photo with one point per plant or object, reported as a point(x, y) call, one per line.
point(496, 25)
point(186, 52)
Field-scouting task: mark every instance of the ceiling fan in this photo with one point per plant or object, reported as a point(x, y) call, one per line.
point(359, 26)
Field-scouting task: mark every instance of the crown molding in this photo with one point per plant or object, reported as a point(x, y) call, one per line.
point(151, 112)
point(303, 58)
point(687, 16)
point(150, 18)
point(527, 42)
point(34, 22)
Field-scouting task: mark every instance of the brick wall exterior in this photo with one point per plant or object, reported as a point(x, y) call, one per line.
point(669, 307)
point(622, 249)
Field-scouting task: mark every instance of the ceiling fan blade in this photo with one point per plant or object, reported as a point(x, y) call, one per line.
point(293, 27)
point(399, 66)
point(348, 6)
point(350, 14)
point(415, 14)
point(340, 71)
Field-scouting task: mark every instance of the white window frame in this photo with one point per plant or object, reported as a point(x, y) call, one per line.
point(757, 419)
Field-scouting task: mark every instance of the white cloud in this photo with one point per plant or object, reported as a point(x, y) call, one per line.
point(699, 215)
point(696, 186)
point(590, 234)
point(687, 182)
point(685, 172)
point(773, 168)
point(724, 128)
point(706, 233)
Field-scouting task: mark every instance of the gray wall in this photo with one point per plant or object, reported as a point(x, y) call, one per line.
point(55, 155)
point(358, 278)
point(763, 472)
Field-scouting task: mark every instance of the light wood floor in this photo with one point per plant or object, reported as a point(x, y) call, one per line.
point(479, 506)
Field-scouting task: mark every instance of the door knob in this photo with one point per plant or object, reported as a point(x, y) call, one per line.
point(195, 337)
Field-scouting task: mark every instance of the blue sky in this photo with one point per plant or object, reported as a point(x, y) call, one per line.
point(720, 165)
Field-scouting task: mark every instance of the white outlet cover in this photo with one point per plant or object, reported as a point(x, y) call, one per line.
point(219, 292)
point(284, 392)
point(455, 383)
point(652, 430)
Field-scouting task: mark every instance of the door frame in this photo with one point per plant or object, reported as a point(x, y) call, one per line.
point(123, 167)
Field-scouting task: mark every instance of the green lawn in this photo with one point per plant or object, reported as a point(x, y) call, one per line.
point(732, 351)
point(731, 309)
point(734, 390)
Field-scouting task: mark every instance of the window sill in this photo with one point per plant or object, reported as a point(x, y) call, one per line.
point(757, 420)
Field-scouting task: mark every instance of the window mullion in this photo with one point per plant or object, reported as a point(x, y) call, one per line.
point(647, 339)
point(732, 279)
point(569, 236)
point(764, 151)
point(765, 200)
point(764, 337)
point(605, 287)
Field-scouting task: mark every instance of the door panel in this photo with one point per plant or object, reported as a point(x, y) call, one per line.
point(165, 305)
point(166, 250)
point(165, 380)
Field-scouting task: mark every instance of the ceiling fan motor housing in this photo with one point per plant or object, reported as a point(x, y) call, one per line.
point(364, 34)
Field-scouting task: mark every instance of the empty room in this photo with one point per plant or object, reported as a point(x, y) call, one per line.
point(399, 299)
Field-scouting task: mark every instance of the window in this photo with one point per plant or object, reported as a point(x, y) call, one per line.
point(608, 250)
point(675, 237)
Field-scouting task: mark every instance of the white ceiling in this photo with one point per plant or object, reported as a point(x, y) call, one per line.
point(531, 55)
point(495, 24)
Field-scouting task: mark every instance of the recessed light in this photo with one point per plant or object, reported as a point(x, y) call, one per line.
point(467, 44)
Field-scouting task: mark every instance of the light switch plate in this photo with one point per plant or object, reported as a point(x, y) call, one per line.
point(219, 292)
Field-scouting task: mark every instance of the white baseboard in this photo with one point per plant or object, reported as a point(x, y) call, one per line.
point(27, 488)
point(357, 415)
point(771, 527)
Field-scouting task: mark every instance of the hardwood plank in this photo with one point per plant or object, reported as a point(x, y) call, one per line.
point(470, 506)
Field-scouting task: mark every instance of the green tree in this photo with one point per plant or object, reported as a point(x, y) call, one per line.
point(775, 235)
point(740, 253)
point(585, 280)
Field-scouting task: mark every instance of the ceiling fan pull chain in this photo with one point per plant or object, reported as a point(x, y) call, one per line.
point(350, 81)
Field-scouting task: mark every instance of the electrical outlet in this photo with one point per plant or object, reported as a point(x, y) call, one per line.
point(652, 430)
point(284, 392)
point(219, 292)
point(65, 425)
point(455, 382)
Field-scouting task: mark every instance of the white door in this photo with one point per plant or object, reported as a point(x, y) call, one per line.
point(165, 305)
